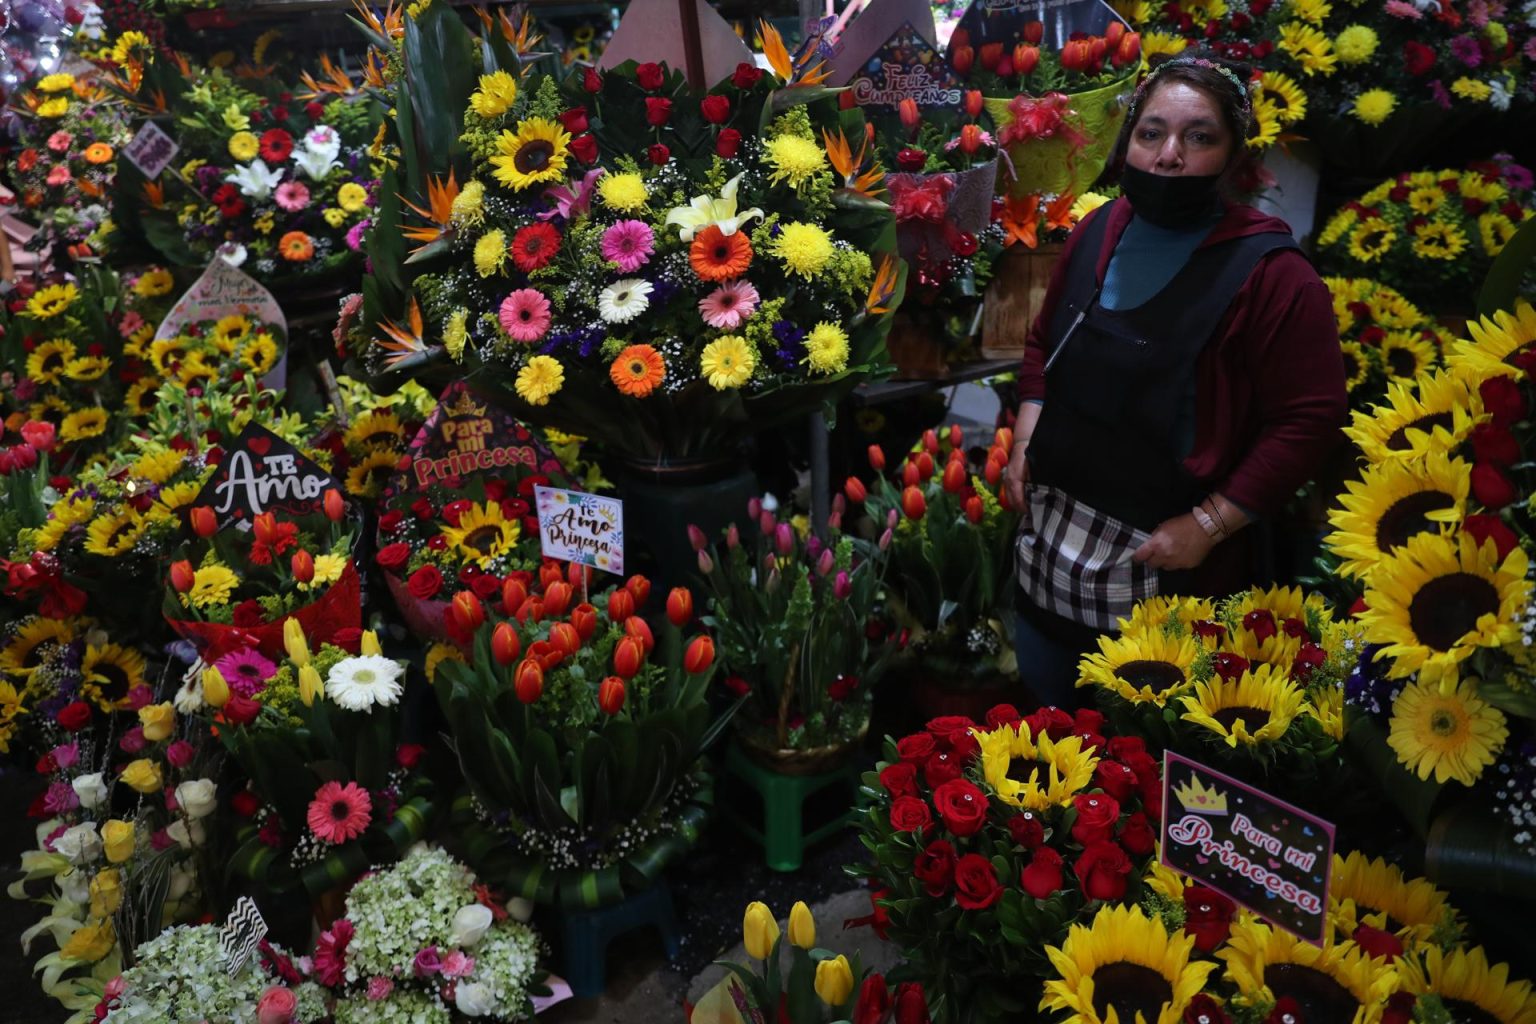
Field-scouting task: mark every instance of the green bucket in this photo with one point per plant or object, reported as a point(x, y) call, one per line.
point(1059, 164)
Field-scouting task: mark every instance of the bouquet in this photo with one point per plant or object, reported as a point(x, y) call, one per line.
point(269, 173)
point(988, 841)
point(1432, 235)
point(206, 353)
point(422, 940)
point(950, 544)
point(578, 731)
point(663, 271)
point(797, 628)
point(1384, 337)
point(366, 434)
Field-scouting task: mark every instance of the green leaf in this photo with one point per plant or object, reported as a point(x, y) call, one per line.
point(1515, 262)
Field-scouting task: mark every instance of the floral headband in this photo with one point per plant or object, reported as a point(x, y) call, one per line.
point(1201, 62)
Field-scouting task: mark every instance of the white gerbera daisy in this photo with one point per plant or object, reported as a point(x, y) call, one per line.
point(624, 300)
point(359, 683)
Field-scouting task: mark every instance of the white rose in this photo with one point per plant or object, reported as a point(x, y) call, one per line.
point(91, 790)
point(80, 844)
point(181, 883)
point(76, 887)
point(186, 836)
point(520, 909)
point(474, 999)
point(470, 925)
point(197, 797)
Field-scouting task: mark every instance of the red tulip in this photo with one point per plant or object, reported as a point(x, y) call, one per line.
point(468, 612)
point(584, 618)
point(1034, 31)
point(930, 442)
point(1114, 34)
point(913, 503)
point(638, 628)
point(303, 565)
point(680, 606)
point(877, 458)
point(911, 117)
point(994, 471)
point(700, 655)
point(610, 695)
point(924, 464)
point(954, 477)
point(991, 54)
point(1129, 50)
point(505, 644)
point(550, 572)
point(854, 488)
point(1003, 439)
point(557, 598)
point(1025, 58)
point(529, 681)
point(956, 436)
point(335, 505)
point(204, 522)
point(639, 587)
point(1097, 50)
point(974, 509)
point(973, 103)
point(909, 475)
point(182, 576)
point(621, 605)
point(628, 657)
point(962, 59)
point(513, 593)
point(545, 653)
point(564, 636)
point(266, 528)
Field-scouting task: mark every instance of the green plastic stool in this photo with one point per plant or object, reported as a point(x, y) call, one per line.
point(587, 933)
point(782, 834)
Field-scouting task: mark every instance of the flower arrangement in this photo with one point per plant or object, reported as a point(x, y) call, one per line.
point(797, 628)
point(950, 544)
point(270, 173)
point(571, 697)
point(698, 263)
point(230, 348)
point(1431, 235)
point(367, 434)
point(1385, 338)
point(1035, 68)
point(818, 985)
point(424, 941)
point(988, 840)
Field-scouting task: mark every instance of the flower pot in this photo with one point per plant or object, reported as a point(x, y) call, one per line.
point(1014, 298)
point(804, 761)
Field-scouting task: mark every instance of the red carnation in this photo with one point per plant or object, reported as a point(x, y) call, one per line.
point(534, 246)
point(276, 145)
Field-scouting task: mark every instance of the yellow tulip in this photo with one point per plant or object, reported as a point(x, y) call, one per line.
point(802, 927)
point(215, 689)
point(310, 685)
point(90, 943)
point(294, 642)
point(371, 643)
point(834, 980)
point(143, 776)
point(759, 930)
point(158, 720)
point(117, 840)
point(106, 893)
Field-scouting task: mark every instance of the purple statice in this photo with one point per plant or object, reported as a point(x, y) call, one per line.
point(791, 341)
point(208, 177)
point(663, 291)
point(1368, 687)
point(1466, 50)
point(585, 339)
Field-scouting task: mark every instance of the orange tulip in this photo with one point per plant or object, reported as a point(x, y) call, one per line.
point(513, 594)
point(639, 587)
point(913, 503)
point(700, 655)
point(266, 528)
point(584, 618)
point(954, 477)
point(909, 476)
point(182, 576)
point(855, 491)
point(610, 695)
point(335, 505)
point(973, 509)
point(505, 643)
point(931, 442)
point(529, 681)
point(557, 598)
point(628, 657)
point(468, 612)
point(564, 636)
point(877, 458)
point(680, 606)
point(638, 628)
point(621, 605)
point(204, 522)
point(550, 572)
point(303, 565)
point(924, 465)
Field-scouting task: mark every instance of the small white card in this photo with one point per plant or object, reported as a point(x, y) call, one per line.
point(151, 150)
point(581, 528)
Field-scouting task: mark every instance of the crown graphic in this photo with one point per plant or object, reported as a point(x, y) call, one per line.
point(1197, 799)
point(463, 405)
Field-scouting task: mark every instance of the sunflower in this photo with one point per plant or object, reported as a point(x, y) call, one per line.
point(1124, 966)
point(1426, 200)
point(1281, 602)
point(535, 153)
point(22, 656)
point(1034, 772)
point(1436, 416)
point(1494, 344)
point(1371, 239)
point(368, 474)
point(1467, 986)
point(1393, 501)
point(1357, 364)
point(728, 362)
point(436, 655)
point(212, 584)
point(637, 371)
point(1406, 354)
point(1439, 240)
point(157, 465)
point(374, 429)
point(1375, 893)
point(1144, 667)
point(1334, 230)
point(115, 533)
point(1256, 707)
point(231, 330)
point(108, 673)
point(49, 302)
point(1308, 47)
point(10, 709)
point(1494, 230)
point(47, 362)
point(1437, 599)
point(154, 283)
point(260, 355)
point(196, 371)
point(87, 368)
point(483, 534)
point(1155, 43)
point(1450, 734)
point(1326, 705)
point(1266, 124)
point(1390, 309)
point(1337, 983)
point(1287, 98)
point(167, 353)
point(170, 502)
point(1156, 614)
point(717, 256)
point(141, 396)
point(83, 424)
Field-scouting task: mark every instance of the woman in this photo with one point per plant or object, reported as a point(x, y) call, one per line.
point(1182, 380)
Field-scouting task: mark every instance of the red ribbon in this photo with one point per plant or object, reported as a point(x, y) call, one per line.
point(923, 199)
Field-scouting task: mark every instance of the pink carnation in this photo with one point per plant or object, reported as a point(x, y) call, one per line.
point(59, 175)
point(59, 141)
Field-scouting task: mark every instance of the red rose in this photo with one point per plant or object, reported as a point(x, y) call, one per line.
point(591, 81)
point(1418, 59)
point(390, 521)
point(874, 1001)
point(1261, 623)
point(658, 154)
point(245, 803)
point(899, 779)
point(1042, 875)
point(1003, 714)
point(574, 120)
point(75, 716)
point(746, 75)
point(715, 109)
point(1086, 721)
point(935, 867)
point(1484, 527)
point(1122, 747)
point(1206, 628)
point(1027, 830)
point(1503, 398)
point(650, 76)
point(425, 583)
point(727, 142)
point(241, 710)
point(910, 159)
point(911, 1004)
point(976, 886)
point(1101, 871)
point(920, 746)
point(658, 111)
point(1136, 835)
point(962, 806)
point(1308, 659)
point(248, 613)
point(408, 755)
point(584, 148)
point(947, 726)
point(909, 813)
point(393, 556)
point(1054, 722)
point(1400, 1007)
point(454, 511)
point(1096, 817)
point(1377, 943)
point(1115, 779)
point(941, 767)
point(1202, 1009)
point(1286, 1011)
point(1495, 443)
point(1207, 916)
point(1491, 487)
point(485, 586)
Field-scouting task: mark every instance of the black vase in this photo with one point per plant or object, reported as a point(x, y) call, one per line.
point(662, 498)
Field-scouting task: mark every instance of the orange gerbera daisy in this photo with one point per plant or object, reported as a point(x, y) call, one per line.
point(638, 370)
point(296, 246)
point(98, 153)
point(717, 256)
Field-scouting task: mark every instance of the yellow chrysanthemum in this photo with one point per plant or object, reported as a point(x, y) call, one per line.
point(1356, 44)
point(1371, 239)
point(1468, 986)
point(1338, 982)
point(83, 424)
point(1471, 89)
point(728, 362)
point(1313, 12)
point(497, 93)
point(1363, 891)
point(540, 379)
point(534, 154)
point(1374, 106)
point(483, 534)
point(623, 192)
point(1494, 343)
point(109, 673)
point(804, 248)
point(1144, 668)
point(1494, 231)
point(1034, 772)
point(490, 253)
point(1308, 47)
point(794, 159)
point(1437, 599)
point(244, 146)
point(49, 302)
point(1393, 501)
point(1288, 98)
point(456, 333)
point(1256, 707)
point(1435, 413)
point(1439, 240)
point(22, 656)
point(468, 208)
point(212, 584)
point(1124, 967)
point(826, 348)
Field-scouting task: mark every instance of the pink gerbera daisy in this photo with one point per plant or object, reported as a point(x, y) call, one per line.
point(59, 175)
point(59, 141)
point(292, 196)
point(339, 814)
point(330, 964)
point(629, 244)
point(246, 671)
point(525, 315)
point(727, 306)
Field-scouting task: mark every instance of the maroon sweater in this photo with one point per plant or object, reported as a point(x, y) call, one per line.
point(1269, 388)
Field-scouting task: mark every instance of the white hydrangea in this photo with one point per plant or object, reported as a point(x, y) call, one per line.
point(402, 1006)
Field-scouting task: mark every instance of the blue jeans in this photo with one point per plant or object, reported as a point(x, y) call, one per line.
point(1047, 665)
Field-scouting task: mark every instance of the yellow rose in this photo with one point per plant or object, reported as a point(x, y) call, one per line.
point(90, 943)
point(118, 840)
point(334, 216)
point(158, 720)
point(143, 776)
point(802, 927)
point(351, 197)
point(244, 146)
point(106, 893)
point(759, 931)
point(834, 980)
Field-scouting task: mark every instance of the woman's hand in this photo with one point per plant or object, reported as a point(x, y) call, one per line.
point(1177, 543)
point(1016, 474)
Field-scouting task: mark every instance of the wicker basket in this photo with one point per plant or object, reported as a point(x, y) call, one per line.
point(810, 761)
point(1014, 298)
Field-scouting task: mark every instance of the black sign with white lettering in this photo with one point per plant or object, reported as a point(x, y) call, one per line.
point(263, 473)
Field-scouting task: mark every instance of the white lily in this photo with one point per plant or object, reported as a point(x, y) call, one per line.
point(256, 180)
point(703, 211)
point(314, 164)
point(322, 138)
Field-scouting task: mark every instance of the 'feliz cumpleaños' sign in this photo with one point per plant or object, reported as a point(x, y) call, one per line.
point(907, 67)
point(583, 528)
point(263, 473)
point(1260, 852)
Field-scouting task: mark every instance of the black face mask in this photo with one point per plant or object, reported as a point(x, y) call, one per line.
point(1170, 200)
